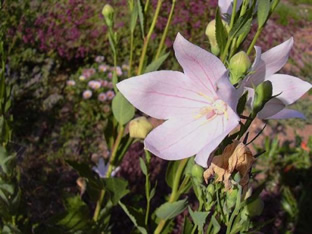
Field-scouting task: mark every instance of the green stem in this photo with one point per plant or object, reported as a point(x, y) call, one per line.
point(147, 186)
point(233, 14)
point(254, 40)
point(226, 49)
point(148, 36)
point(146, 6)
point(163, 38)
point(109, 172)
point(131, 54)
point(174, 193)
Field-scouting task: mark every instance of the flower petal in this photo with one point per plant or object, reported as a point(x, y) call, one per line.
point(258, 70)
point(163, 94)
point(226, 6)
point(271, 62)
point(271, 108)
point(181, 138)
point(290, 88)
point(203, 156)
point(277, 57)
point(227, 92)
point(203, 68)
point(287, 114)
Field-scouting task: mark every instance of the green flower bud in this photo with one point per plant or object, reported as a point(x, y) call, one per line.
point(197, 173)
point(211, 34)
point(211, 189)
point(108, 13)
point(263, 94)
point(255, 207)
point(139, 127)
point(239, 65)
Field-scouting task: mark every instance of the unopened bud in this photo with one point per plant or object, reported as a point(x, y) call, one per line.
point(139, 127)
point(108, 13)
point(211, 34)
point(197, 173)
point(211, 189)
point(255, 207)
point(263, 94)
point(239, 65)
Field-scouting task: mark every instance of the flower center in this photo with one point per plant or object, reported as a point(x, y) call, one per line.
point(217, 107)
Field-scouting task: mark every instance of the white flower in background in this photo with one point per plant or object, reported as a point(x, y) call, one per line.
point(99, 59)
point(102, 97)
point(87, 94)
point(71, 83)
point(286, 88)
point(101, 169)
point(103, 68)
point(82, 78)
point(226, 6)
point(110, 95)
point(94, 84)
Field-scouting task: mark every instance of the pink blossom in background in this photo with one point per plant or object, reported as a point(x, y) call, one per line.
point(94, 84)
point(104, 83)
point(87, 94)
point(199, 104)
point(103, 68)
point(102, 97)
point(71, 83)
point(110, 95)
point(99, 59)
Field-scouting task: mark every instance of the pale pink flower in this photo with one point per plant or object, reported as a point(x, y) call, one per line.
point(104, 83)
point(198, 104)
point(110, 75)
point(288, 88)
point(99, 59)
point(110, 95)
point(103, 68)
point(71, 83)
point(94, 84)
point(87, 94)
point(102, 97)
point(118, 71)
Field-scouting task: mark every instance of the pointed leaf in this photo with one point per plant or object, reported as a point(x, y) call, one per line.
point(122, 109)
point(134, 216)
point(221, 33)
point(154, 66)
point(117, 188)
point(170, 210)
point(141, 17)
point(199, 218)
point(263, 12)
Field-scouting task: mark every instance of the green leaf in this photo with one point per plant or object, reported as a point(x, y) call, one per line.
point(135, 216)
point(199, 218)
point(221, 33)
point(242, 103)
point(154, 66)
point(143, 166)
point(141, 17)
point(170, 210)
point(187, 226)
point(76, 216)
point(117, 188)
point(263, 12)
point(170, 172)
point(122, 109)
point(240, 26)
point(134, 17)
point(215, 224)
